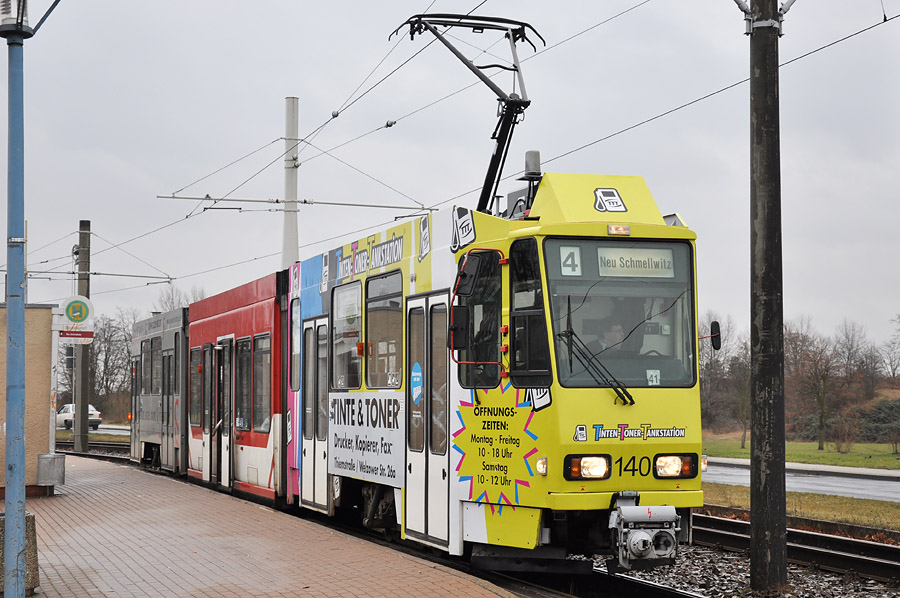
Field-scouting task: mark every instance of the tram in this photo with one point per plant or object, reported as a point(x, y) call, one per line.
point(517, 384)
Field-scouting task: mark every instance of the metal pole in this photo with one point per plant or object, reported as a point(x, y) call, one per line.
point(289, 241)
point(14, 539)
point(82, 392)
point(768, 551)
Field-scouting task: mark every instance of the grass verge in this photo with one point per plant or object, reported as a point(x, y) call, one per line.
point(879, 456)
point(856, 511)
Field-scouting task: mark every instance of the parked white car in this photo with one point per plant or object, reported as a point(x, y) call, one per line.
point(66, 416)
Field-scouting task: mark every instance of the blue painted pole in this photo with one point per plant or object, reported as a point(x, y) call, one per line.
point(14, 539)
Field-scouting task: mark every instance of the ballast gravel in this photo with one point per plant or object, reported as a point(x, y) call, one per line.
point(720, 574)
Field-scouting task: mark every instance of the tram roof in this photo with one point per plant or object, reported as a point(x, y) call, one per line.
point(567, 198)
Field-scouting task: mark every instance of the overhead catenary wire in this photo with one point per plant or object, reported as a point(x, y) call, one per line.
point(125, 251)
point(673, 110)
point(229, 165)
point(46, 245)
point(476, 83)
point(557, 157)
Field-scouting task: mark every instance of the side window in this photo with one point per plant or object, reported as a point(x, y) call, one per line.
point(384, 330)
point(136, 377)
point(345, 334)
point(322, 384)
point(175, 355)
point(242, 384)
point(484, 305)
point(196, 407)
point(309, 382)
point(262, 383)
point(416, 405)
point(145, 367)
point(296, 329)
point(207, 386)
point(529, 361)
point(438, 380)
point(156, 365)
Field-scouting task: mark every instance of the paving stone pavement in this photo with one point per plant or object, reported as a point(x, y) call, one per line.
point(114, 530)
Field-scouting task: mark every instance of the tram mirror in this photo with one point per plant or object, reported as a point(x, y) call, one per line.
point(458, 332)
point(467, 274)
point(715, 335)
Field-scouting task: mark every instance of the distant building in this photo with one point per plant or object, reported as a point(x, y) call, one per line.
point(39, 412)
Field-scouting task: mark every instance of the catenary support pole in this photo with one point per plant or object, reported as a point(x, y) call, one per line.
point(289, 241)
point(82, 352)
point(14, 521)
point(768, 551)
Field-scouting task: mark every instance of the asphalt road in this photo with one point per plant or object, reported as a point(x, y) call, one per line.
point(886, 490)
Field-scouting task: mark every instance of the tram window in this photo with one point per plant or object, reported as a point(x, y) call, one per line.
point(136, 377)
point(384, 330)
point(345, 334)
point(170, 362)
point(225, 387)
point(438, 443)
point(156, 365)
point(207, 386)
point(530, 355)
point(484, 305)
point(309, 382)
point(296, 326)
point(242, 384)
point(416, 394)
point(165, 375)
point(196, 408)
point(262, 383)
point(322, 383)
point(175, 355)
point(145, 367)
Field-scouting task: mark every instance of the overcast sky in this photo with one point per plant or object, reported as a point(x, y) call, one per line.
point(129, 100)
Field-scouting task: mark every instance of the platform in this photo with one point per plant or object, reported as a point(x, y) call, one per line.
point(114, 530)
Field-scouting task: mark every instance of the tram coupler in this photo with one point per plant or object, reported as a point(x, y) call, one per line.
point(642, 536)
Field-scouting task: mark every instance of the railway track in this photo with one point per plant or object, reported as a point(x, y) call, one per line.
point(838, 554)
point(110, 451)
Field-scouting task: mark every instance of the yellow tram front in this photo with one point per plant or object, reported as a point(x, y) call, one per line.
point(576, 330)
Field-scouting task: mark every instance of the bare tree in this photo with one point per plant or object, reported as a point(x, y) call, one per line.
point(849, 344)
point(715, 396)
point(109, 367)
point(739, 383)
point(869, 371)
point(171, 297)
point(820, 369)
point(197, 293)
point(890, 359)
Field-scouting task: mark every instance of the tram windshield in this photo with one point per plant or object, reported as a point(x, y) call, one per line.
point(622, 312)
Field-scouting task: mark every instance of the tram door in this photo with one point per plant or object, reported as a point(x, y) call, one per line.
point(224, 397)
point(314, 454)
point(166, 404)
point(427, 457)
point(209, 461)
point(135, 408)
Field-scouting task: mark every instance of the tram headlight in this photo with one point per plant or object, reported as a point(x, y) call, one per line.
point(704, 462)
point(675, 466)
point(541, 466)
point(587, 467)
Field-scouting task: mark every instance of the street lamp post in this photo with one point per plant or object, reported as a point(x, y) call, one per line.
point(14, 27)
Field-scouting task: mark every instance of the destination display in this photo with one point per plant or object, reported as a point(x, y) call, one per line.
point(636, 261)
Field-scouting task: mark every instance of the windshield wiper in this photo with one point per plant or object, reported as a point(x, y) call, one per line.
point(590, 362)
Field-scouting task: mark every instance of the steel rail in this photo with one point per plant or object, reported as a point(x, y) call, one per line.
point(839, 554)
